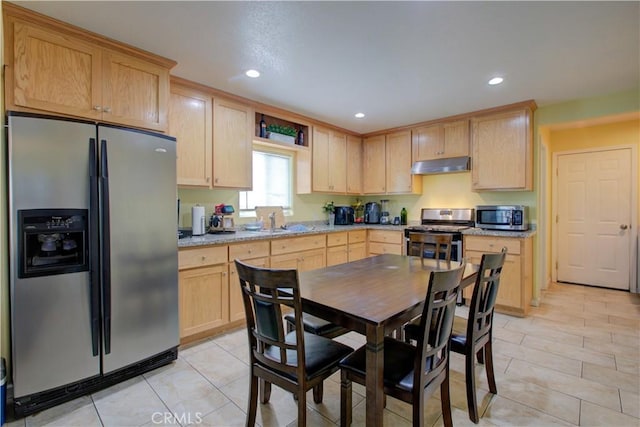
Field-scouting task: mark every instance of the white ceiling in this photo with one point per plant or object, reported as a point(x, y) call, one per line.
point(398, 62)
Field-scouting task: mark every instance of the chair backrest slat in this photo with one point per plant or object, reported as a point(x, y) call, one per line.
point(265, 293)
point(484, 295)
point(421, 244)
point(436, 324)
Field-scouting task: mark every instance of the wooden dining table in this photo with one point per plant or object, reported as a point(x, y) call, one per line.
point(373, 296)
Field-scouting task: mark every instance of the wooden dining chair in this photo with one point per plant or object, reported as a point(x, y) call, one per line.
point(477, 339)
point(412, 372)
point(430, 245)
point(296, 361)
point(316, 325)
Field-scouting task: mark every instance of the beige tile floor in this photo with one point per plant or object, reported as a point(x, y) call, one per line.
point(574, 361)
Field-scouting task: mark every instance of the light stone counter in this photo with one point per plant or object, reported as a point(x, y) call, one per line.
point(498, 233)
point(244, 236)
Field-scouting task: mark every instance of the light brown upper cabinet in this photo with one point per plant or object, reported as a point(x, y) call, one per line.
point(501, 151)
point(60, 69)
point(387, 165)
point(354, 165)
point(329, 161)
point(232, 144)
point(374, 165)
point(398, 162)
point(190, 121)
point(440, 140)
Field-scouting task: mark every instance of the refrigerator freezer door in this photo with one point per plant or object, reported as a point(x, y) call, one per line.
point(141, 311)
point(51, 328)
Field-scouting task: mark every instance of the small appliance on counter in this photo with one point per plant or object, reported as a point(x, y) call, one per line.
point(219, 223)
point(502, 217)
point(384, 214)
point(372, 213)
point(345, 215)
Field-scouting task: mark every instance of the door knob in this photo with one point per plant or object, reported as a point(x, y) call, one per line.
point(623, 226)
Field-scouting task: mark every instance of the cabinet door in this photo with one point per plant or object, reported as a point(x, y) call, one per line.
point(232, 144)
point(337, 255)
point(312, 260)
point(501, 149)
point(398, 165)
point(204, 299)
point(456, 139)
point(357, 251)
point(354, 165)
point(135, 92)
point(427, 142)
point(320, 159)
point(374, 165)
point(510, 290)
point(55, 73)
point(236, 305)
point(338, 162)
point(190, 121)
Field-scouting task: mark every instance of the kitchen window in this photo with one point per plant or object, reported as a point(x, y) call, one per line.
point(272, 182)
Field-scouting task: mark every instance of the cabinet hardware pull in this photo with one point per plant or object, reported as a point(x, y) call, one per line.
point(97, 107)
point(107, 109)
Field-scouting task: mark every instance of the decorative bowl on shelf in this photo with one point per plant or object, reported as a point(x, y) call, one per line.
point(281, 138)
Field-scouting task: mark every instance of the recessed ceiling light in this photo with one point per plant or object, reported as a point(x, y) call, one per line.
point(359, 115)
point(496, 81)
point(253, 73)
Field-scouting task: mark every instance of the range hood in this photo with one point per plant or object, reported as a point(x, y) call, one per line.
point(448, 165)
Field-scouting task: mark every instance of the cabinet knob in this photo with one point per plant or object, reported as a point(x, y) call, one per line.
point(97, 107)
point(208, 179)
point(204, 257)
point(107, 109)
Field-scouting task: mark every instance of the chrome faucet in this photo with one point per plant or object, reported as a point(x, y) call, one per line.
point(272, 217)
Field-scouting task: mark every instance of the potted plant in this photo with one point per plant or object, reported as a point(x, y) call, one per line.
point(282, 133)
point(329, 209)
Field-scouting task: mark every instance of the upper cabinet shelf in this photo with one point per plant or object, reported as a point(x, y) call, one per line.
point(299, 134)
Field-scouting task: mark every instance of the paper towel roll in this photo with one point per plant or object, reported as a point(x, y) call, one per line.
point(197, 221)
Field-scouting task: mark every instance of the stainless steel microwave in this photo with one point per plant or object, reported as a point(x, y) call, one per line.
point(502, 217)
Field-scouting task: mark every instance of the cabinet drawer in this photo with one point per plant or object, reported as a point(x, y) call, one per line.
point(297, 244)
point(358, 236)
point(384, 236)
point(199, 257)
point(336, 239)
point(492, 244)
point(249, 250)
point(376, 248)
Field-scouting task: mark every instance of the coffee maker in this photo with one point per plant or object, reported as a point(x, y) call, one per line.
point(372, 213)
point(384, 216)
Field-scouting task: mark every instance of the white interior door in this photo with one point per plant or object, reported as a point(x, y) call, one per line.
point(594, 218)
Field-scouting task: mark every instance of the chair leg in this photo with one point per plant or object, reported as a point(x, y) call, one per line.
point(345, 400)
point(265, 391)
point(302, 409)
point(488, 366)
point(253, 401)
point(317, 393)
point(445, 400)
point(417, 408)
point(470, 380)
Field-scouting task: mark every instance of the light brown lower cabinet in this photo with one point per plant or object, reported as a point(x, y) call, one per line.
point(516, 282)
point(385, 242)
point(254, 253)
point(204, 296)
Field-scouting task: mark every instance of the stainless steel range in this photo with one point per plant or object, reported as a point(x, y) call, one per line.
point(447, 221)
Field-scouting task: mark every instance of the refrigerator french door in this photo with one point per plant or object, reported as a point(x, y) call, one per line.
point(93, 256)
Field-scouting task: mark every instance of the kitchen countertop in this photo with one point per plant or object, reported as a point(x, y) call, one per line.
point(245, 236)
point(498, 233)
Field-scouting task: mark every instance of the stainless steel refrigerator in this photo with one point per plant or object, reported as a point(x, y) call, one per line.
point(93, 256)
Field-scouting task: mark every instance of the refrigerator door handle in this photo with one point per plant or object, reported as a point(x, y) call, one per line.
point(106, 247)
point(94, 250)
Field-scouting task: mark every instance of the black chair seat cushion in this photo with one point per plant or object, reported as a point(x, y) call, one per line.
point(458, 343)
point(321, 353)
point(412, 329)
point(315, 325)
point(398, 363)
